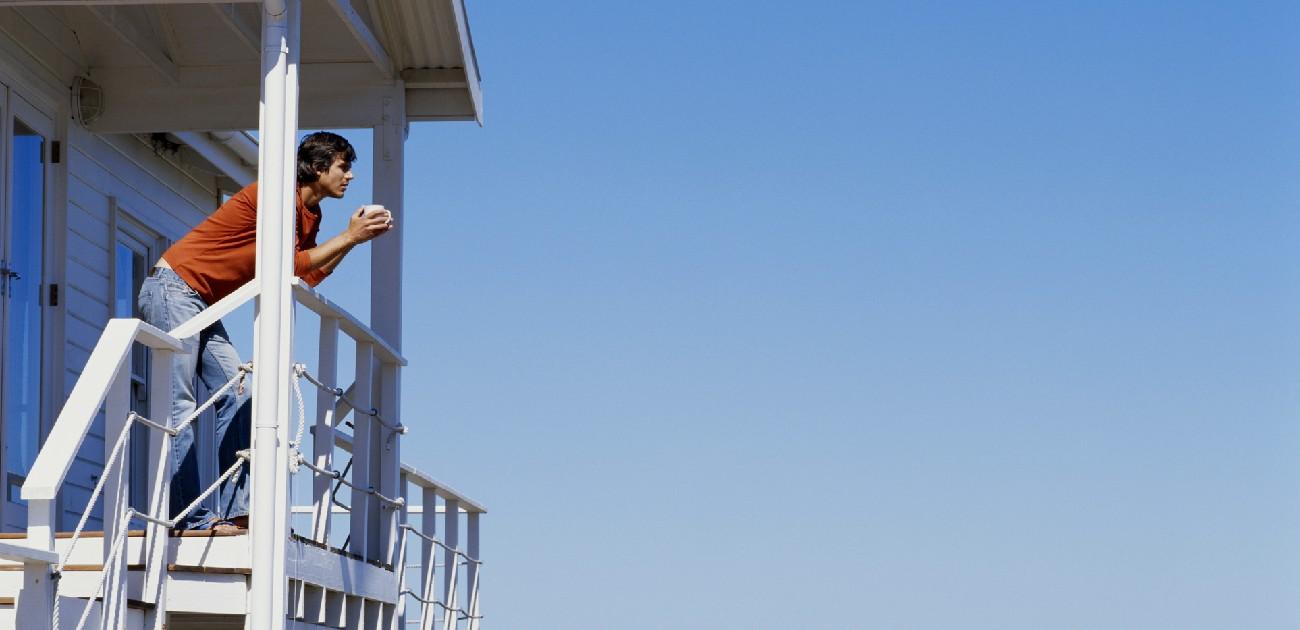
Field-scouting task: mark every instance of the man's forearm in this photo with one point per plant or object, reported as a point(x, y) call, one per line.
point(326, 256)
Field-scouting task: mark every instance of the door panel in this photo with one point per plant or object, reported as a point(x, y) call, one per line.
point(23, 250)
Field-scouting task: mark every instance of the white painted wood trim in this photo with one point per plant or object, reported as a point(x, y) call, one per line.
point(135, 34)
point(214, 313)
point(245, 32)
point(79, 412)
point(323, 432)
point(471, 61)
point(333, 571)
point(348, 323)
point(220, 156)
point(48, 3)
point(23, 554)
point(362, 503)
point(390, 460)
point(361, 31)
point(421, 479)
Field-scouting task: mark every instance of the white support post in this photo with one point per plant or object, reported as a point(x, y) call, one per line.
point(117, 406)
point(471, 573)
point(451, 532)
point(362, 503)
point(273, 334)
point(429, 556)
point(159, 475)
point(36, 599)
point(386, 251)
point(323, 437)
point(390, 459)
point(394, 616)
point(398, 619)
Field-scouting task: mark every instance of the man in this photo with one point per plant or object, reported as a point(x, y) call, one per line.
point(215, 258)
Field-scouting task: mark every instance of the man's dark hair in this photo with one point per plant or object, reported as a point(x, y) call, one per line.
point(317, 152)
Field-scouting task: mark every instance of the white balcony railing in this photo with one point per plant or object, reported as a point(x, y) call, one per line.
point(360, 422)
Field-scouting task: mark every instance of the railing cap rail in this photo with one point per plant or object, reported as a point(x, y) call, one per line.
point(78, 413)
point(420, 478)
point(321, 305)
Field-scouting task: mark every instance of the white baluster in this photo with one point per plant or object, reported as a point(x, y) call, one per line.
point(323, 437)
point(471, 575)
point(362, 503)
point(389, 457)
point(117, 407)
point(398, 619)
point(428, 556)
point(36, 600)
point(159, 475)
point(451, 532)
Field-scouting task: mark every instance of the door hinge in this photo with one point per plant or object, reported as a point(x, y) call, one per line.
point(56, 152)
point(54, 295)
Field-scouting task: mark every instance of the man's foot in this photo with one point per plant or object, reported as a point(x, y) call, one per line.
point(216, 527)
point(228, 528)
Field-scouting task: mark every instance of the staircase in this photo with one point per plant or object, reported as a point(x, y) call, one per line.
point(350, 558)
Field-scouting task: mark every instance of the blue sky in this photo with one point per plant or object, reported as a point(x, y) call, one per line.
point(906, 315)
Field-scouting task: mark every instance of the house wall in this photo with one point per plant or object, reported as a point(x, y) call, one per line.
point(109, 177)
point(99, 180)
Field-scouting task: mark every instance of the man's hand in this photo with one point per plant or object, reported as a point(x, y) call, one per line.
point(367, 223)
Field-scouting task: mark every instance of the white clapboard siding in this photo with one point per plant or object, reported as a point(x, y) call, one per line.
point(45, 36)
point(108, 175)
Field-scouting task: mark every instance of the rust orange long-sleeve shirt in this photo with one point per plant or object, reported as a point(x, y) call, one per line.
point(219, 255)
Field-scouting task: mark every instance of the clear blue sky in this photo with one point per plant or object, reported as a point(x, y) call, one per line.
point(905, 315)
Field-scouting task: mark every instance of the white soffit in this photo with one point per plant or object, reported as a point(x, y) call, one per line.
point(166, 66)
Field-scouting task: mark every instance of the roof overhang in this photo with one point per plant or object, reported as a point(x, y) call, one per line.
point(173, 66)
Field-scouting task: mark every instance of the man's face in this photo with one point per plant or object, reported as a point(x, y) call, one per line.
point(334, 182)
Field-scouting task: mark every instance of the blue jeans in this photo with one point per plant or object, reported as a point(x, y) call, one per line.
point(166, 301)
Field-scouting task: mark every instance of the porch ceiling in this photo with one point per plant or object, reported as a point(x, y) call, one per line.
point(179, 67)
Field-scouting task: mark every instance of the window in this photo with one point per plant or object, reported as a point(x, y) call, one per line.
point(134, 253)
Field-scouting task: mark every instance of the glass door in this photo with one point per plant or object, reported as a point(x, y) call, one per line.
point(22, 252)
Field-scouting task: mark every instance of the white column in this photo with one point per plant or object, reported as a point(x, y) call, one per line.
point(273, 334)
point(386, 251)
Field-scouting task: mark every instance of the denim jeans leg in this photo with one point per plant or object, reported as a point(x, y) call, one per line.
point(218, 364)
point(165, 302)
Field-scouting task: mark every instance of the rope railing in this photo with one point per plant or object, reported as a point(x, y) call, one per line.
point(300, 370)
point(127, 515)
point(114, 459)
point(114, 556)
point(461, 613)
point(123, 438)
point(444, 545)
point(338, 476)
point(297, 460)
